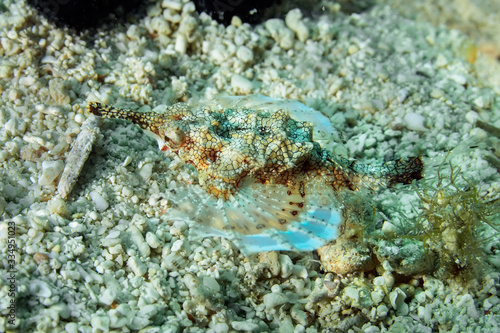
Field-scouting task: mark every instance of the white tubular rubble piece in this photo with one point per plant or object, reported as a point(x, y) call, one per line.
point(78, 155)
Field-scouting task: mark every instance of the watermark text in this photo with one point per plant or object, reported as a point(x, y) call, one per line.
point(11, 272)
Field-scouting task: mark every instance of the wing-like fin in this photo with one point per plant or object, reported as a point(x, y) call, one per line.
point(263, 217)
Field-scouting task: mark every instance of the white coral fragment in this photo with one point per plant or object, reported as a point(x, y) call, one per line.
point(78, 155)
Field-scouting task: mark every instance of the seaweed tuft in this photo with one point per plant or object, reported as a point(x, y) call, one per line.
point(454, 223)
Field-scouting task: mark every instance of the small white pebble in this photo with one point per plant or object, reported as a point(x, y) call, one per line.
point(99, 201)
point(27, 81)
point(274, 299)
point(388, 228)
point(382, 310)
point(490, 302)
point(107, 297)
point(177, 246)
point(50, 171)
point(280, 33)
point(12, 34)
point(152, 240)
point(471, 117)
point(100, 323)
point(94, 216)
point(294, 21)
point(436, 93)
point(441, 60)
point(352, 49)
point(244, 54)
point(460, 79)
point(211, 283)
point(479, 133)
point(40, 288)
point(276, 288)
point(397, 299)
point(241, 84)
point(180, 44)
point(79, 118)
point(286, 265)
point(127, 161)
point(5, 72)
point(137, 266)
point(177, 229)
point(414, 121)
point(389, 279)
point(246, 326)
point(4, 155)
point(58, 206)
point(377, 295)
point(116, 249)
point(10, 126)
point(175, 5)
point(127, 192)
point(430, 39)
point(236, 21)
point(402, 95)
point(379, 281)
point(146, 171)
point(148, 310)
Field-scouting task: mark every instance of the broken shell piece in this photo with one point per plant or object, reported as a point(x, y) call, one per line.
point(40, 257)
point(78, 155)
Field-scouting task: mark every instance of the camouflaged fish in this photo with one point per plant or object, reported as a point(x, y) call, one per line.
point(265, 181)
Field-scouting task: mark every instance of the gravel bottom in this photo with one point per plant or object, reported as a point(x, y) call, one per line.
point(101, 256)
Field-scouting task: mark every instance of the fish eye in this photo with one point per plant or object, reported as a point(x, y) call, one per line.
point(175, 136)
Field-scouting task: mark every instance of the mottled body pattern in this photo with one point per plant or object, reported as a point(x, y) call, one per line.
point(265, 183)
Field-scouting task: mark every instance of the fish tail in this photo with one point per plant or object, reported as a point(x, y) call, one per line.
point(387, 174)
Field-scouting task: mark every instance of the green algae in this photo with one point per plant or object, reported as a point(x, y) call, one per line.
point(454, 223)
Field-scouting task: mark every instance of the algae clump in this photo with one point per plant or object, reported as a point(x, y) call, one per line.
point(453, 224)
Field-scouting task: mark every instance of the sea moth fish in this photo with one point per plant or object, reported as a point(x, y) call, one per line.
point(267, 180)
